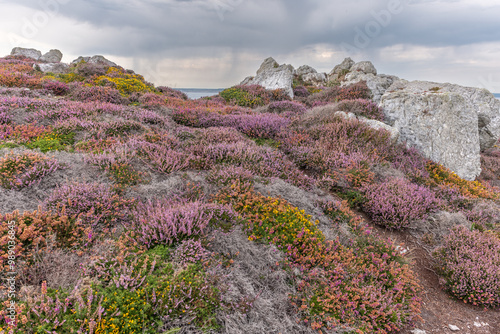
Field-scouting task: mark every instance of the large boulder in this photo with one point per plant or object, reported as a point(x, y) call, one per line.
point(56, 68)
point(480, 100)
point(315, 79)
point(442, 125)
point(94, 60)
point(271, 75)
point(28, 53)
point(378, 84)
point(305, 69)
point(340, 69)
point(364, 67)
point(53, 56)
point(310, 76)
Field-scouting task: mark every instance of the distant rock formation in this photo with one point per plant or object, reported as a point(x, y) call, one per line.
point(310, 76)
point(349, 72)
point(53, 56)
point(56, 68)
point(51, 61)
point(340, 69)
point(271, 75)
point(94, 60)
point(28, 53)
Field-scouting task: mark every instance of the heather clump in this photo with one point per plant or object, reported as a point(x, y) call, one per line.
point(23, 170)
point(190, 251)
point(56, 87)
point(300, 91)
point(362, 107)
point(490, 165)
point(396, 203)
point(170, 92)
point(165, 222)
point(116, 300)
point(97, 94)
point(151, 100)
point(252, 95)
point(469, 262)
point(36, 232)
point(339, 144)
point(118, 167)
point(335, 94)
point(95, 204)
point(290, 108)
point(227, 175)
point(31, 136)
point(19, 73)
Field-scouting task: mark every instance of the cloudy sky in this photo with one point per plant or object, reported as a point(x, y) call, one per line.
point(217, 43)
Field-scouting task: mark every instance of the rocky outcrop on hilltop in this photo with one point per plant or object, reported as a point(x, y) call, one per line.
point(51, 61)
point(53, 56)
point(28, 53)
point(271, 75)
point(349, 72)
point(94, 60)
point(449, 124)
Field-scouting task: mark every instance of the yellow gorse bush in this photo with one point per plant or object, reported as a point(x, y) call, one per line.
point(125, 83)
point(474, 189)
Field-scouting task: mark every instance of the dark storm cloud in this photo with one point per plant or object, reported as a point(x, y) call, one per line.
point(275, 26)
point(215, 43)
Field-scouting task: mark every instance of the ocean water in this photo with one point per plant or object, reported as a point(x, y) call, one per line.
point(497, 95)
point(196, 93)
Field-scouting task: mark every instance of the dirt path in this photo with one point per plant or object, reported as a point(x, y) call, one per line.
point(439, 309)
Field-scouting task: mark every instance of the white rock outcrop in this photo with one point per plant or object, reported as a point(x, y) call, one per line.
point(364, 67)
point(378, 84)
point(53, 56)
point(56, 68)
point(271, 75)
point(310, 76)
point(94, 60)
point(442, 125)
point(28, 53)
point(340, 69)
point(480, 100)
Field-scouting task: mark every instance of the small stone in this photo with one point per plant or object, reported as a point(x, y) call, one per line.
point(418, 331)
point(454, 328)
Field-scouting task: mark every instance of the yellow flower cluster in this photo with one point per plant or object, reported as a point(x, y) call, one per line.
point(124, 82)
point(441, 175)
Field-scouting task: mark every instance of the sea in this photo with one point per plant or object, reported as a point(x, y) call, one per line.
point(497, 95)
point(196, 93)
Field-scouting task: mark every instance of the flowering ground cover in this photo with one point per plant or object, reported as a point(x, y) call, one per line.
point(131, 186)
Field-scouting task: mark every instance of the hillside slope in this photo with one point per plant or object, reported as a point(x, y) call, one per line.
point(128, 208)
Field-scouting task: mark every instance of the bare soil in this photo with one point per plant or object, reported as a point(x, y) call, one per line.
point(439, 309)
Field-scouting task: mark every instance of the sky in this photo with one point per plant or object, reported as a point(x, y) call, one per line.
point(217, 43)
